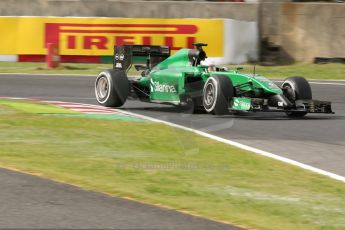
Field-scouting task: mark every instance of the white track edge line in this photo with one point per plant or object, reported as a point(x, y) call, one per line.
point(246, 147)
point(321, 82)
point(325, 83)
point(52, 74)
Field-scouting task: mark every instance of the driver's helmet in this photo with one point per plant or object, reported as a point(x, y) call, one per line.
point(211, 64)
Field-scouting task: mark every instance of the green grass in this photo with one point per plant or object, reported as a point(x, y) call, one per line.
point(65, 68)
point(48, 109)
point(158, 164)
point(39, 68)
point(39, 108)
point(310, 71)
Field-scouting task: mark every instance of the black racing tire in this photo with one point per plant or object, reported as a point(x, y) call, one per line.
point(217, 93)
point(112, 88)
point(297, 88)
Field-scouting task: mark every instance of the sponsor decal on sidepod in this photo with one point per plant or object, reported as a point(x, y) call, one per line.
point(162, 88)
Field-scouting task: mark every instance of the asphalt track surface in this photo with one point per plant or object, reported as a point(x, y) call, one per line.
point(30, 202)
point(317, 140)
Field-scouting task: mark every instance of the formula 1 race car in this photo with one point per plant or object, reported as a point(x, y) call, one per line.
point(182, 80)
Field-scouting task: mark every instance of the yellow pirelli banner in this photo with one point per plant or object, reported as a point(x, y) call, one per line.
point(97, 36)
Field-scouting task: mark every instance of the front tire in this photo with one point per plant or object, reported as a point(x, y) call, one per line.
point(112, 88)
point(217, 94)
point(297, 88)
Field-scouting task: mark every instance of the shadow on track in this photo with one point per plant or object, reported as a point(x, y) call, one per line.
point(238, 115)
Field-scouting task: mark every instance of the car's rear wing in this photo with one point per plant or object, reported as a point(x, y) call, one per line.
point(125, 55)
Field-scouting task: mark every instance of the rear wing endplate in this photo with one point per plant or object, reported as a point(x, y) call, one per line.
point(124, 55)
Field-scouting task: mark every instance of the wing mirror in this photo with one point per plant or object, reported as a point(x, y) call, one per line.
point(140, 67)
point(238, 68)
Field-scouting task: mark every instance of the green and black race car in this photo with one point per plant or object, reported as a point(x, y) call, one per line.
point(182, 80)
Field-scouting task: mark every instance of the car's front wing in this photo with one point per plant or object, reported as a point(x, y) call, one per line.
point(261, 104)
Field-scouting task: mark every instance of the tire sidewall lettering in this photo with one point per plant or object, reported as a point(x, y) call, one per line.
point(216, 89)
point(110, 86)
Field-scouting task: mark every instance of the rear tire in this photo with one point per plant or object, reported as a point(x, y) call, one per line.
point(217, 94)
point(297, 88)
point(112, 88)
